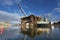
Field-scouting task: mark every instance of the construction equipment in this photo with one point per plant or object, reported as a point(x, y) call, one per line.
point(19, 5)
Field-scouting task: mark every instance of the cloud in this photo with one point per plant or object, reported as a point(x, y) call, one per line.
point(54, 14)
point(7, 16)
point(57, 9)
point(49, 14)
point(8, 2)
point(52, 17)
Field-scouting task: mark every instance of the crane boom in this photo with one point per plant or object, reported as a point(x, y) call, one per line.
point(22, 10)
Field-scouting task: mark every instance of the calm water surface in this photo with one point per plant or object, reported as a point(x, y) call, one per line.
point(13, 33)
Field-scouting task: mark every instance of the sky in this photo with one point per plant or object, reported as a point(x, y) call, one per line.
point(9, 9)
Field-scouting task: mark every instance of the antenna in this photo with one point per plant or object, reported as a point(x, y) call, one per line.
point(19, 5)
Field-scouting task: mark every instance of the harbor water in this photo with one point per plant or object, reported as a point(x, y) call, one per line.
point(13, 33)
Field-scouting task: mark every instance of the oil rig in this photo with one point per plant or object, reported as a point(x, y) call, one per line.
point(33, 24)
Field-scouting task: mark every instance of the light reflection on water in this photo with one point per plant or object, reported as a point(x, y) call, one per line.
point(14, 34)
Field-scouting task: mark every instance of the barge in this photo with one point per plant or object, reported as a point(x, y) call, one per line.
point(34, 25)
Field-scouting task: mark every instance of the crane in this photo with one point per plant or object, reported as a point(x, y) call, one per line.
point(19, 5)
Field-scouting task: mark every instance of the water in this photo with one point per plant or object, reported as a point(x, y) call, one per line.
point(14, 34)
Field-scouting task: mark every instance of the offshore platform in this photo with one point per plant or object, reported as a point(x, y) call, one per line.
point(33, 25)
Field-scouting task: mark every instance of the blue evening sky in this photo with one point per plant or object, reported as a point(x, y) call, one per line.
point(49, 8)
